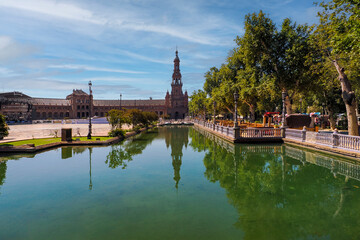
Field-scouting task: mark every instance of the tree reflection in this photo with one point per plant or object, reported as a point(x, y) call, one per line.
point(279, 197)
point(121, 154)
point(3, 169)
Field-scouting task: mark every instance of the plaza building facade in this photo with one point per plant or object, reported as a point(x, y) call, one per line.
point(79, 104)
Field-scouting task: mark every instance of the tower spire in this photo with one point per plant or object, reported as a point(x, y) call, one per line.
point(176, 77)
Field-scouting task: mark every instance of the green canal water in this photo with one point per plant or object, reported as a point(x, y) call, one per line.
point(179, 183)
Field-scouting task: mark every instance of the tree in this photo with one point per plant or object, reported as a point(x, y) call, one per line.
point(338, 34)
point(198, 103)
point(116, 118)
point(212, 80)
point(4, 129)
point(149, 118)
point(136, 117)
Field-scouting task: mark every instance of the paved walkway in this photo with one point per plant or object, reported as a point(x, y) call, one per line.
point(46, 130)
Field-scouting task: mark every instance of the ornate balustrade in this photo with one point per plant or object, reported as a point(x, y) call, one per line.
point(241, 133)
point(260, 132)
point(294, 134)
point(349, 142)
point(329, 139)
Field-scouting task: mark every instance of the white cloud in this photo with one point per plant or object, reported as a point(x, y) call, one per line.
point(95, 69)
point(135, 18)
point(5, 72)
point(142, 57)
point(53, 8)
point(10, 50)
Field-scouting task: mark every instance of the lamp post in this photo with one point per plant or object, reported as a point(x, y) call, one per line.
point(322, 118)
point(236, 97)
point(214, 111)
point(120, 100)
point(89, 134)
point(283, 94)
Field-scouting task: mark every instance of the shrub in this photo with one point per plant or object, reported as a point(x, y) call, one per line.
point(4, 129)
point(117, 133)
point(137, 128)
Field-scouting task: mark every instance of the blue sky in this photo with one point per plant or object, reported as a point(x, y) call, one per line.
point(49, 47)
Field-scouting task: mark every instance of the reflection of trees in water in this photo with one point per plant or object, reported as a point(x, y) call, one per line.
point(277, 197)
point(3, 168)
point(121, 154)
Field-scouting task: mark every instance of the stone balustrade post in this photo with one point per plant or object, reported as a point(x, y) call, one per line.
point(335, 138)
point(236, 132)
point(303, 134)
point(283, 132)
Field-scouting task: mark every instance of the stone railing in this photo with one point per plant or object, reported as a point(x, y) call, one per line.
point(260, 132)
point(294, 134)
point(329, 139)
point(237, 133)
point(348, 142)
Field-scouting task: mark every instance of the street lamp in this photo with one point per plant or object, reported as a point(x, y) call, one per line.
point(214, 111)
point(90, 105)
point(120, 100)
point(283, 94)
point(236, 97)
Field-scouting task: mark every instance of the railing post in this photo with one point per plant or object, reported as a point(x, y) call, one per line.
point(283, 132)
point(236, 132)
point(335, 138)
point(303, 134)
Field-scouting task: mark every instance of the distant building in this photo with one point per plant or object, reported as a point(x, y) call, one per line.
point(18, 106)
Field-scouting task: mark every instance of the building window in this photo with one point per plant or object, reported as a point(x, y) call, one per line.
point(78, 107)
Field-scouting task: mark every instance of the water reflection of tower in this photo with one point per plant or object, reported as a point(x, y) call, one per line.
point(177, 138)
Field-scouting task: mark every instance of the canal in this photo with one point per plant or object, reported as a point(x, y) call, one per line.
point(179, 183)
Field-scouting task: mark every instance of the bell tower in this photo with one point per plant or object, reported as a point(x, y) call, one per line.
point(177, 100)
point(176, 84)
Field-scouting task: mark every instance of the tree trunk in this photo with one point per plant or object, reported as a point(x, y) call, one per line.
point(288, 105)
point(349, 99)
point(331, 119)
point(252, 113)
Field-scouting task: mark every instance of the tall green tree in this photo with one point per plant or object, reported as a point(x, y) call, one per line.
point(338, 35)
point(4, 128)
point(117, 118)
point(198, 103)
